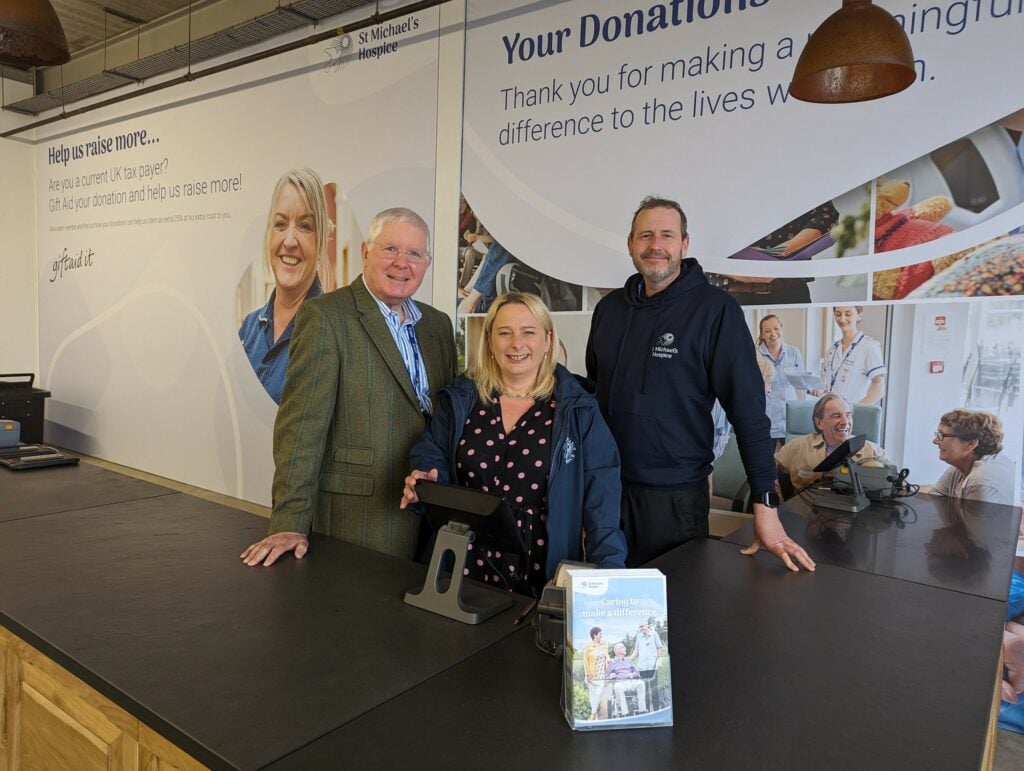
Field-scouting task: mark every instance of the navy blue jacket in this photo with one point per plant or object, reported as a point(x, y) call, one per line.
point(584, 491)
point(659, 364)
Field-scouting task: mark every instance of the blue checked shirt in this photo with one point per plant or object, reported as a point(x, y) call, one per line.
point(404, 335)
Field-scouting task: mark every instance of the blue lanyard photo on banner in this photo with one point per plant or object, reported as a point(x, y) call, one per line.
point(835, 370)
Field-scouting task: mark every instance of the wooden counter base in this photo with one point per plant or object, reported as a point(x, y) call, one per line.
point(51, 719)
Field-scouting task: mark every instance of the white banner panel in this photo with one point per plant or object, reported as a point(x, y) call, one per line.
point(576, 110)
point(152, 218)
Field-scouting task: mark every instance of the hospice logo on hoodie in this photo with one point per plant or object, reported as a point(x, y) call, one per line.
point(661, 349)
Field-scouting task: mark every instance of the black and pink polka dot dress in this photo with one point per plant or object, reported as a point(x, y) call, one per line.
point(516, 467)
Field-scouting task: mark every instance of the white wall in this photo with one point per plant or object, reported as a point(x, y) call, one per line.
point(19, 316)
point(936, 392)
point(448, 172)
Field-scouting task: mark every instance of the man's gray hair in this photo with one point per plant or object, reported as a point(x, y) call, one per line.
point(819, 406)
point(397, 214)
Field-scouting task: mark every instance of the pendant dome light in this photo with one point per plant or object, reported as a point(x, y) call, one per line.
point(858, 53)
point(31, 34)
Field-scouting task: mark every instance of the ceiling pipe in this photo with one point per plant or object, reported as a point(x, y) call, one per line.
point(370, 21)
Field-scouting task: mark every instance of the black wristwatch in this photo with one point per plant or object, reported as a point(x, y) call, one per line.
point(770, 499)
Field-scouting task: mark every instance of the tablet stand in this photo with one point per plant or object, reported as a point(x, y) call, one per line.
point(852, 504)
point(445, 593)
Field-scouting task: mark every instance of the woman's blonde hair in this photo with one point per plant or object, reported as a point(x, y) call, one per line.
point(311, 190)
point(484, 370)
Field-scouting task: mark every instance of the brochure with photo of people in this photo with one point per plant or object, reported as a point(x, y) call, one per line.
point(617, 672)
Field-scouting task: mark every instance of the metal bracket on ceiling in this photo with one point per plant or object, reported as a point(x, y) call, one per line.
point(106, 39)
point(188, 68)
point(297, 14)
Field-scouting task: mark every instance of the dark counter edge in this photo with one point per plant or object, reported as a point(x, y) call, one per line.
point(525, 625)
point(152, 720)
point(168, 730)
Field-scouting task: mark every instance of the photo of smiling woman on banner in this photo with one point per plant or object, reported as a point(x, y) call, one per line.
point(295, 251)
point(853, 365)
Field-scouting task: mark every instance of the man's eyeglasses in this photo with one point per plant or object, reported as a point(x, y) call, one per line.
point(392, 252)
point(940, 436)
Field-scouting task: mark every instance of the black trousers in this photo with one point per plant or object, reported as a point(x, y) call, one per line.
point(656, 520)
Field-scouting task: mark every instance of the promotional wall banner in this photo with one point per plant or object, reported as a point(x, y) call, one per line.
point(167, 223)
point(877, 248)
point(576, 110)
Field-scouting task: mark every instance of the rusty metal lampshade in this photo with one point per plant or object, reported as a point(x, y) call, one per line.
point(31, 34)
point(858, 53)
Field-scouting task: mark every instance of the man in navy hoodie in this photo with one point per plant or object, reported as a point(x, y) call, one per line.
point(661, 350)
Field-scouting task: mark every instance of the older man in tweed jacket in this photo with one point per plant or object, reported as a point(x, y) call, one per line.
point(365, 363)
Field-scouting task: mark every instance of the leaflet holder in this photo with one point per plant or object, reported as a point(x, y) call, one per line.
point(457, 514)
point(858, 501)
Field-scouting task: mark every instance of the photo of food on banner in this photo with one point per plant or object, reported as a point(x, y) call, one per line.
point(487, 269)
point(960, 185)
point(834, 228)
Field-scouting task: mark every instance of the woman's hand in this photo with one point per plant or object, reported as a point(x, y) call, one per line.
point(409, 494)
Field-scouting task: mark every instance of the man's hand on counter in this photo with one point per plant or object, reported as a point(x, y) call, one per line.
point(769, 532)
point(273, 546)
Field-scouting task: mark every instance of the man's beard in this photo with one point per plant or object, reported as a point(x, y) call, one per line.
point(657, 274)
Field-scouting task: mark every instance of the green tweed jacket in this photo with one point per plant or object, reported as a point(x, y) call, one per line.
point(347, 419)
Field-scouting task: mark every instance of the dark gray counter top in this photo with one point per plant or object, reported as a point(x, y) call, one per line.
point(49, 490)
point(771, 670)
point(148, 603)
point(319, 664)
point(965, 546)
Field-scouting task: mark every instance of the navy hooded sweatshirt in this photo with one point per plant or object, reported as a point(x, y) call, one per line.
point(660, 362)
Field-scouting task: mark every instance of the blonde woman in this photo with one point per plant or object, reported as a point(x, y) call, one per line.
point(781, 356)
point(522, 426)
point(295, 250)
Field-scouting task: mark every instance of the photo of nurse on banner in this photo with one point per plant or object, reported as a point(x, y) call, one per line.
point(308, 244)
point(296, 263)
